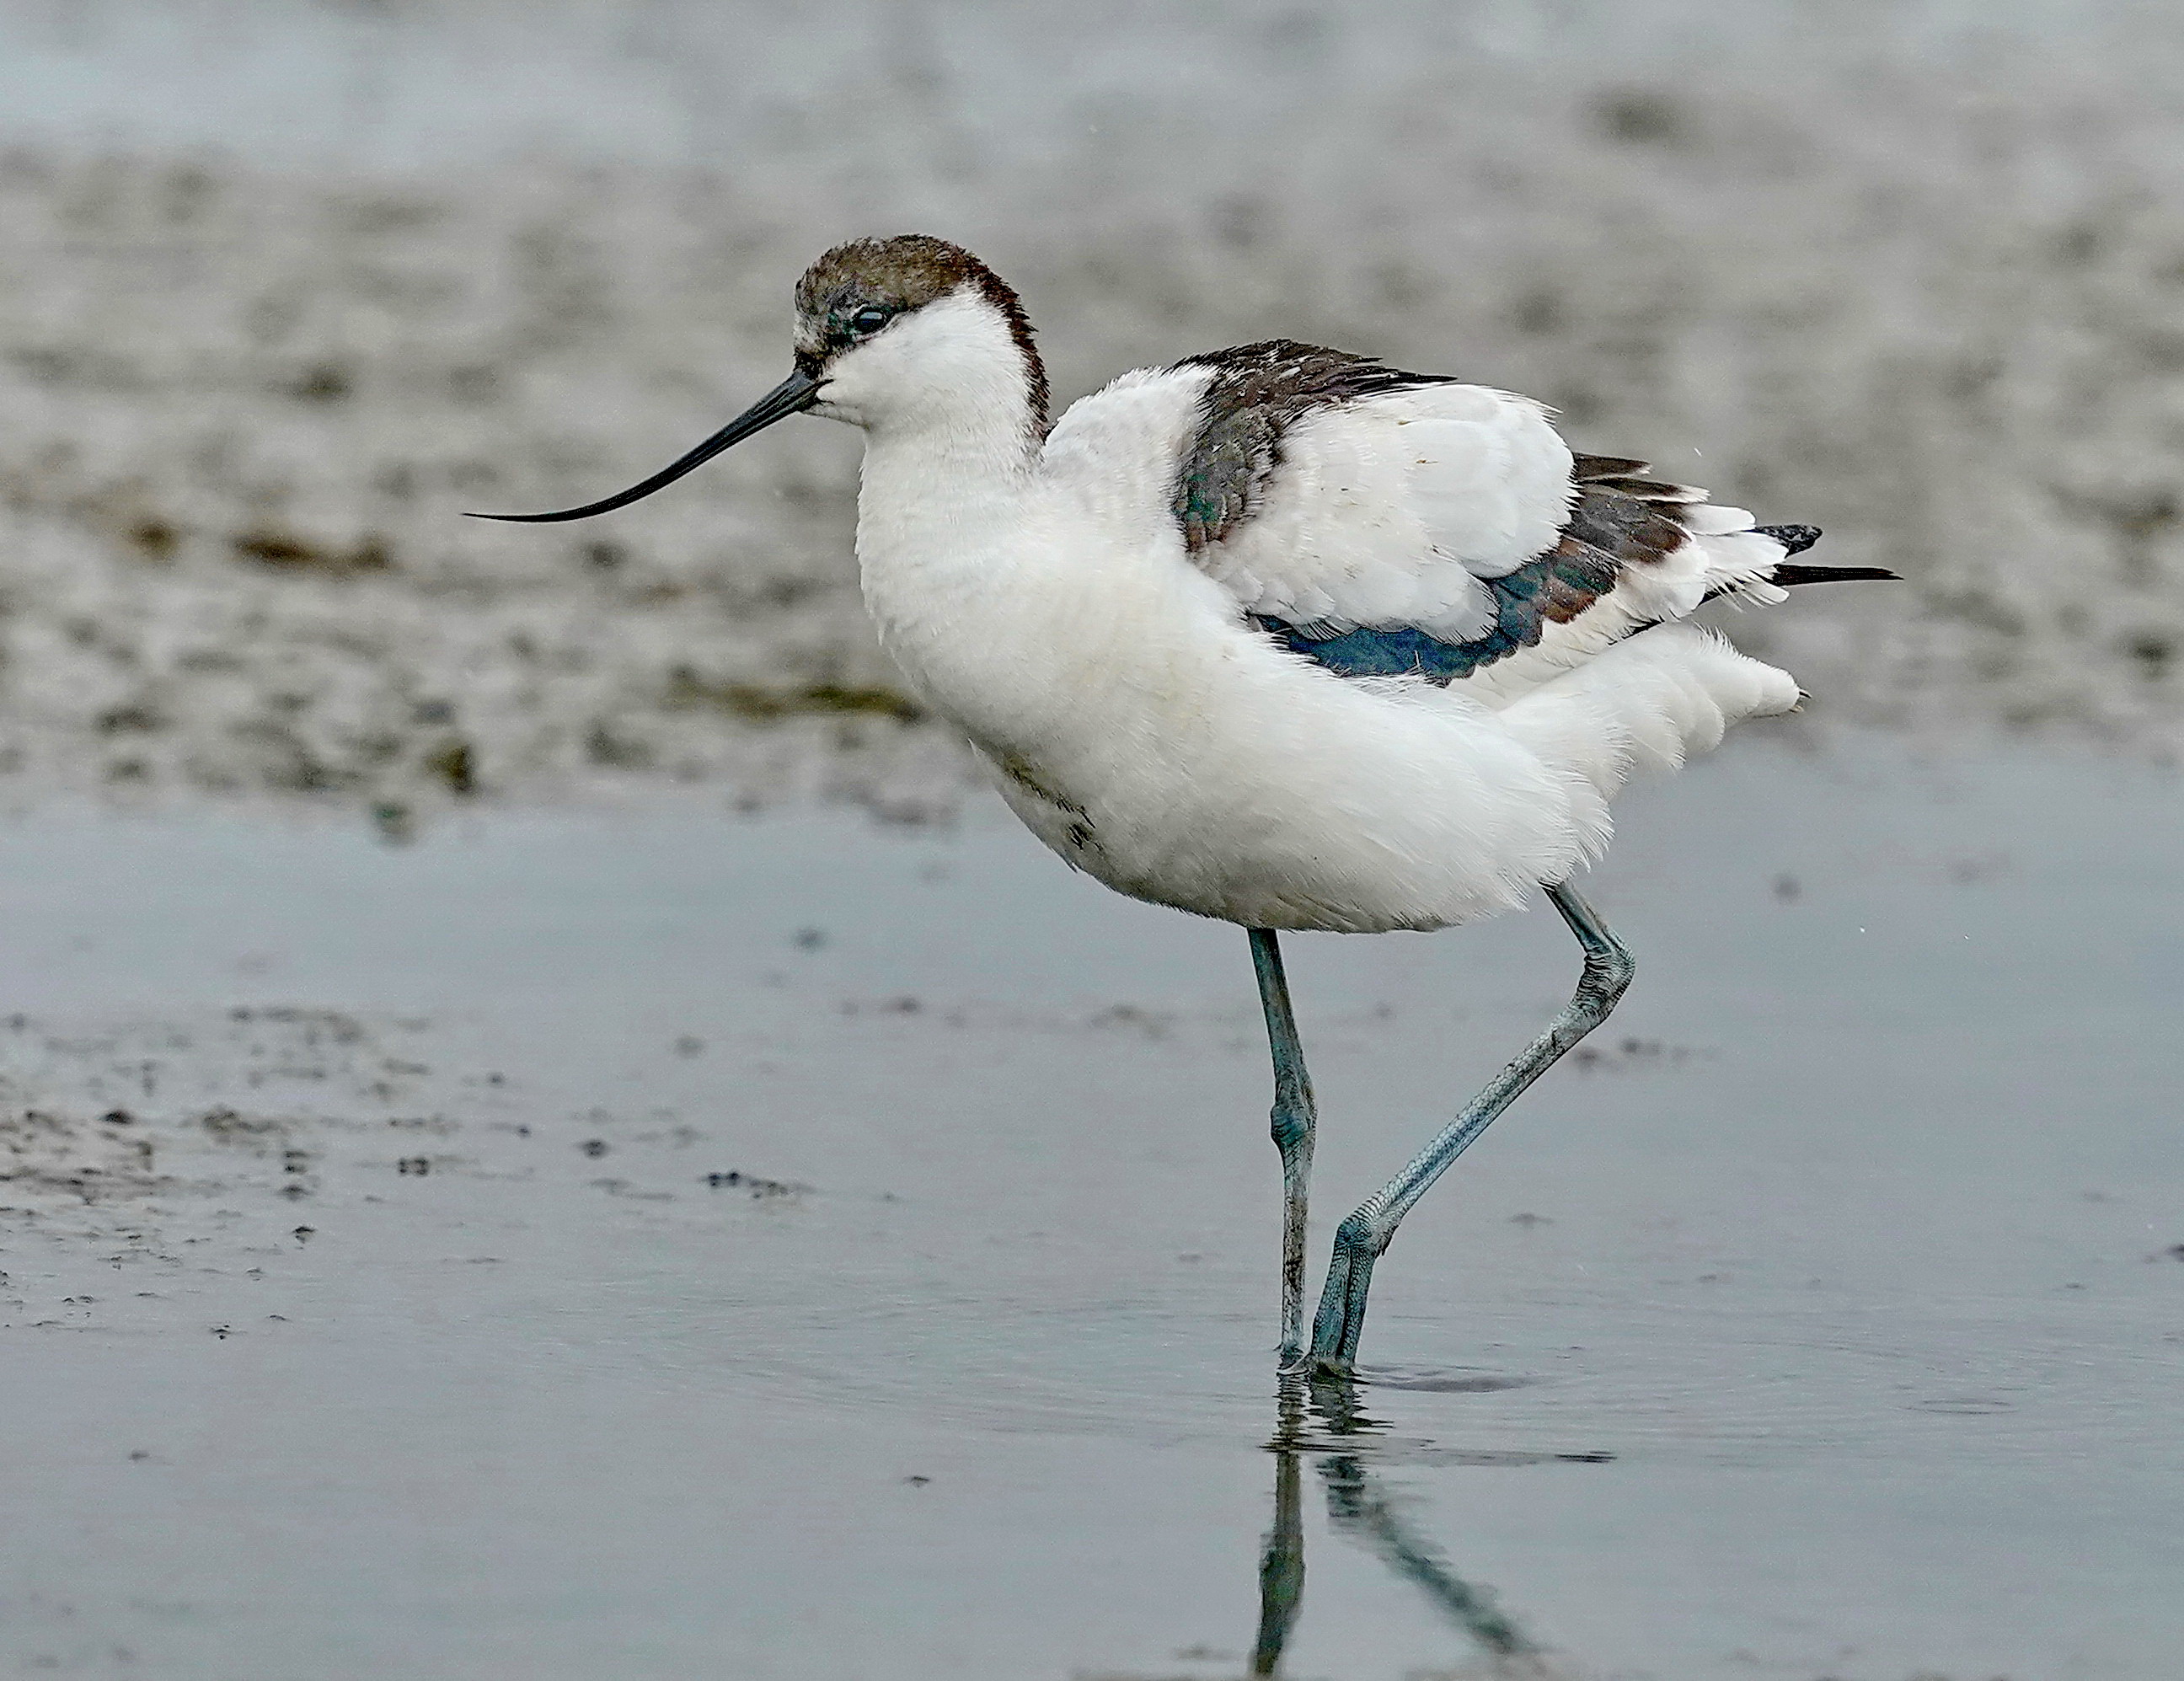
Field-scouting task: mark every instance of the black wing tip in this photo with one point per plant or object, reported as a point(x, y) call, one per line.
point(1791, 575)
point(1794, 539)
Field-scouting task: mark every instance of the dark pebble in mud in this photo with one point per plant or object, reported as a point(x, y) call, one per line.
point(593, 1148)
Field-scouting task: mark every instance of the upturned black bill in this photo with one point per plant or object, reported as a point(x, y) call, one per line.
point(794, 395)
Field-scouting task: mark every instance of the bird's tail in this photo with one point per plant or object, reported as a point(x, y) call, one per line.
point(1651, 701)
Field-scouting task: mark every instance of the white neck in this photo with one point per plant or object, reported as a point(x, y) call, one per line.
point(951, 452)
point(928, 491)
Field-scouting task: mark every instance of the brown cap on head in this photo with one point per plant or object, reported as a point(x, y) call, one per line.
point(900, 274)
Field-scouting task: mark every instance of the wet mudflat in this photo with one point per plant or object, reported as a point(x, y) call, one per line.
point(669, 1244)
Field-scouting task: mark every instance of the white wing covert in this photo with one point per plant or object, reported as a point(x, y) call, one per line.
point(1334, 494)
point(1390, 524)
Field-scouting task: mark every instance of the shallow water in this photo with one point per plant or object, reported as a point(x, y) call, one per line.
point(1822, 1322)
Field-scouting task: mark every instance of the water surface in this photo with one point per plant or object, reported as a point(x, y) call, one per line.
point(668, 1245)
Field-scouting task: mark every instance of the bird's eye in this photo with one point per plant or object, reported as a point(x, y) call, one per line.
point(870, 319)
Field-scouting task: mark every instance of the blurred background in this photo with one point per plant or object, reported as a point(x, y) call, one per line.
point(285, 287)
point(612, 1239)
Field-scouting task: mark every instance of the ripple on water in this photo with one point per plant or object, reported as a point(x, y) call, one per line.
point(1556, 1384)
point(1453, 1380)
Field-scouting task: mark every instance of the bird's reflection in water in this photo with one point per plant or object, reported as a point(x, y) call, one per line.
point(1312, 1421)
point(1281, 1565)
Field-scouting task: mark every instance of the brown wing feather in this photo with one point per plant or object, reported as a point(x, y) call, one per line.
point(1620, 521)
point(1584, 468)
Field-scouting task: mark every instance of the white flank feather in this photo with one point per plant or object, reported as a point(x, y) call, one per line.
point(1043, 598)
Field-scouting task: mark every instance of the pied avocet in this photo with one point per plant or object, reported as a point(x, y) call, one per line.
point(1278, 635)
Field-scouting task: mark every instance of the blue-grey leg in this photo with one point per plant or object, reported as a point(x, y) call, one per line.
point(1292, 1118)
point(1364, 1237)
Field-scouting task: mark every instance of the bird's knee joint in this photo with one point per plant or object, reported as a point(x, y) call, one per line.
point(1290, 1127)
point(1358, 1238)
point(1608, 977)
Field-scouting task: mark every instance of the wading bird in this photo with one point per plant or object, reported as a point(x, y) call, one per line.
point(1278, 635)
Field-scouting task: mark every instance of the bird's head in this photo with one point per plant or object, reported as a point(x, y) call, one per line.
point(889, 327)
point(891, 333)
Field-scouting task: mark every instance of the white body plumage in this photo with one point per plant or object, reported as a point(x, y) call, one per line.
point(1041, 594)
point(1278, 635)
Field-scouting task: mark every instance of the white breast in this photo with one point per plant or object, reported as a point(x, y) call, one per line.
point(1145, 731)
